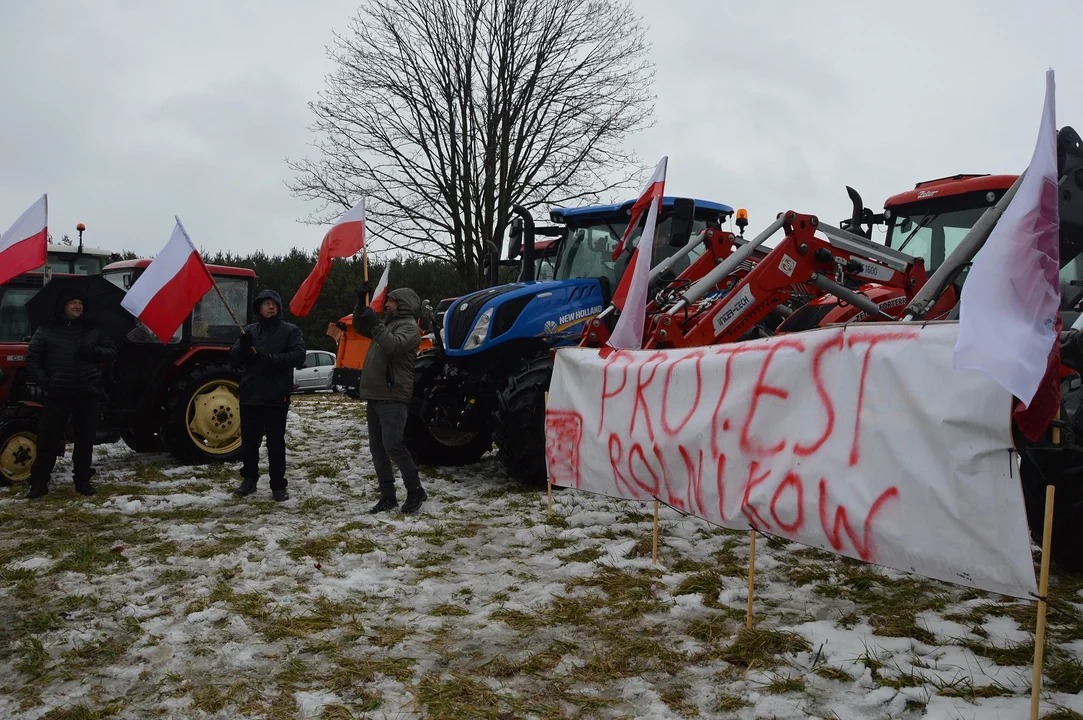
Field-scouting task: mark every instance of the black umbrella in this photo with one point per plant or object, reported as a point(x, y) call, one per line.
point(101, 303)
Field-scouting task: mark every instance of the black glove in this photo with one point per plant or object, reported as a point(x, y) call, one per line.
point(365, 291)
point(364, 321)
point(262, 360)
point(246, 342)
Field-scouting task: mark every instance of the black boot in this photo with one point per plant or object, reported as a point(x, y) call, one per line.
point(280, 495)
point(37, 490)
point(385, 504)
point(247, 487)
point(82, 482)
point(414, 498)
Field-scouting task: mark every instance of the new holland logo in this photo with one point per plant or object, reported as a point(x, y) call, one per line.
point(578, 315)
point(550, 326)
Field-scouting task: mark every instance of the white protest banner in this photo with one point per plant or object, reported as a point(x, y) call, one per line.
point(862, 441)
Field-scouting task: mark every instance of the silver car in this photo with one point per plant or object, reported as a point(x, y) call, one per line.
point(316, 373)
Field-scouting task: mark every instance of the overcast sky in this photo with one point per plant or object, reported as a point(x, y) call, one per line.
point(128, 112)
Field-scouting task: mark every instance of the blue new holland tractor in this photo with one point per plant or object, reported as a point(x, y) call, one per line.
point(485, 378)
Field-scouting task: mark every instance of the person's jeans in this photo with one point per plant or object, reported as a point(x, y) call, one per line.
point(54, 419)
point(387, 421)
point(257, 422)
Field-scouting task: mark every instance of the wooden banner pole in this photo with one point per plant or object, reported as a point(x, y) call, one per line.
point(751, 574)
point(1043, 588)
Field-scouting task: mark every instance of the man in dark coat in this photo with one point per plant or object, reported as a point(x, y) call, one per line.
point(267, 351)
point(64, 360)
point(387, 384)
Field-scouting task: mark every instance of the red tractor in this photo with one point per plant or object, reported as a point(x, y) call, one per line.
point(180, 396)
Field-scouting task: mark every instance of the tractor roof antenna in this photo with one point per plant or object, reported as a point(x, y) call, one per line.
point(80, 227)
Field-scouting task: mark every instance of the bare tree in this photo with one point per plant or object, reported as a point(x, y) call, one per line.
point(444, 113)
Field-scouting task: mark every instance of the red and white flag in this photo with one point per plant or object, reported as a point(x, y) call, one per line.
point(345, 238)
point(1010, 303)
point(379, 295)
point(25, 245)
point(170, 287)
point(632, 290)
point(654, 189)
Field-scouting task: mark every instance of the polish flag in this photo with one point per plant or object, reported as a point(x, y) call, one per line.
point(653, 190)
point(379, 295)
point(24, 247)
point(628, 332)
point(1010, 303)
point(345, 238)
point(170, 287)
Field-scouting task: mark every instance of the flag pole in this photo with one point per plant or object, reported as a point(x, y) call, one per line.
point(228, 308)
point(365, 264)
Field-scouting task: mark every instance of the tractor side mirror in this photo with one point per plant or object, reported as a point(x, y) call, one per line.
point(681, 223)
point(515, 241)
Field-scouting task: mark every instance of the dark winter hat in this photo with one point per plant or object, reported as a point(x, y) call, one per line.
point(66, 295)
point(267, 294)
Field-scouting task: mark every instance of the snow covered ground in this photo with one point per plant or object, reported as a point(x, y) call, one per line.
point(163, 596)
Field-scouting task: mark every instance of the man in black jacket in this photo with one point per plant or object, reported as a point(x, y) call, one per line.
point(64, 360)
point(267, 351)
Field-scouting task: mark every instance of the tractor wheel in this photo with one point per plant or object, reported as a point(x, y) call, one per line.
point(437, 446)
point(18, 449)
point(142, 440)
point(520, 423)
point(202, 420)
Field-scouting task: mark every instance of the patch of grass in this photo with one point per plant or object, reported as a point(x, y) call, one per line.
point(175, 575)
point(707, 583)
point(781, 684)
point(517, 620)
point(458, 696)
point(1010, 655)
point(676, 700)
point(891, 605)
point(831, 673)
point(730, 703)
point(148, 473)
point(803, 574)
point(82, 711)
point(449, 610)
point(324, 468)
point(629, 655)
point(33, 658)
point(221, 545)
point(1065, 674)
point(88, 556)
point(586, 555)
point(350, 672)
point(558, 543)
point(761, 647)
point(321, 547)
point(388, 635)
point(964, 688)
point(41, 622)
point(568, 610)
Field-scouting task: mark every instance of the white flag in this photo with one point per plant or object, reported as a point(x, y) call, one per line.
point(1011, 297)
point(628, 332)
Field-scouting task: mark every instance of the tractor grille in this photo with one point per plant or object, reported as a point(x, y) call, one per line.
point(460, 321)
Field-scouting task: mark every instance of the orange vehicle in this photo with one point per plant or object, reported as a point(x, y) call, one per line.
point(350, 356)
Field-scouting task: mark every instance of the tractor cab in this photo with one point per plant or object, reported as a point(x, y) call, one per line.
point(592, 234)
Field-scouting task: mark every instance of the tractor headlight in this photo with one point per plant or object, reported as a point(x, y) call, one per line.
point(481, 331)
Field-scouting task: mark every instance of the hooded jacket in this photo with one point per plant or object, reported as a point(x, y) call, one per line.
point(388, 372)
point(282, 344)
point(64, 355)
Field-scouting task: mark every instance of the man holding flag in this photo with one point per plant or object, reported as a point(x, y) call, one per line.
point(387, 384)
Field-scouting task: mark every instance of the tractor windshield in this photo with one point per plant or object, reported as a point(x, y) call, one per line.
point(588, 250)
point(932, 234)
